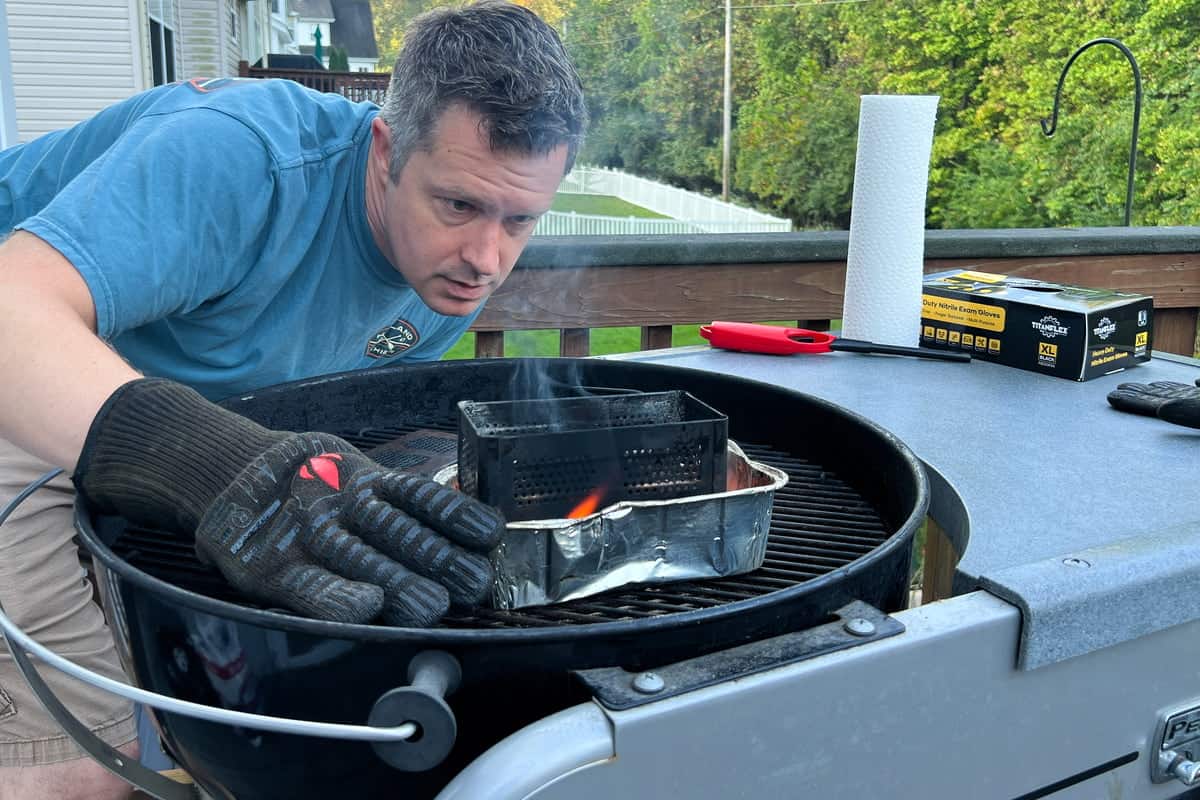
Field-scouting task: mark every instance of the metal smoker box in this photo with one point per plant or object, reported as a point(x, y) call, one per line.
point(539, 459)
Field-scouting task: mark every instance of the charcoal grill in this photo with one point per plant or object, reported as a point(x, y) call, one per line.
point(841, 533)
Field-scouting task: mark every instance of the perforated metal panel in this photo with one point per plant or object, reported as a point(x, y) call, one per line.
point(537, 459)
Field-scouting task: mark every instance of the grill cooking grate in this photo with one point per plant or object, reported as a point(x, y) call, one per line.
point(818, 524)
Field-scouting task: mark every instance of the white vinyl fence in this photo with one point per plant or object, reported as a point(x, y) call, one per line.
point(689, 212)
point(569, 223)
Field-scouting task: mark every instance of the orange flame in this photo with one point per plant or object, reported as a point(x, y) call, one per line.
point(587, 505)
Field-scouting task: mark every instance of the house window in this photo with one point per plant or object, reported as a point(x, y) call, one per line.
point(231, 9)
point(162, 42)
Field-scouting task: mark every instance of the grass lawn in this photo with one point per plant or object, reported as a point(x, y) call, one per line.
point(604, 341)
point(601, 205)
point(545, 343)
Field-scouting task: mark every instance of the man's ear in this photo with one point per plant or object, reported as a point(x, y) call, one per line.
point(381, 146)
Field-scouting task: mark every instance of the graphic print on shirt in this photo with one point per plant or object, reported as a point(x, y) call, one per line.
point(393, 340)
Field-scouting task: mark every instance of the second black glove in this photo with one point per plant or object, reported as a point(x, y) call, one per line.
point(1168, 400)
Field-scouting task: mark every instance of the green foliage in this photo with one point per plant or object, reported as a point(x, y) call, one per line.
point(653, 71)
point(392, 16)
point(339, 60)
point(795, 135)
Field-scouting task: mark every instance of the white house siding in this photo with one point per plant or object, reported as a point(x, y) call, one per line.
point(201, 24)
point(8, 109)
point(71, 58)
point(234, 33)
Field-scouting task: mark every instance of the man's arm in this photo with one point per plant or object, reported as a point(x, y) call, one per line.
point(55, 373)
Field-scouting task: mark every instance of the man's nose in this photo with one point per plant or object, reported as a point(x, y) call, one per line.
point(482, 248)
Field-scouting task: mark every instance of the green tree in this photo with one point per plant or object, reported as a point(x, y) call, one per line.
point(795, 133)
point(602, 37)
point(339, 61)
point(392, 16)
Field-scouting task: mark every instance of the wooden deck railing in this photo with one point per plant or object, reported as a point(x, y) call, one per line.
point(575, 284)
point(357, 86)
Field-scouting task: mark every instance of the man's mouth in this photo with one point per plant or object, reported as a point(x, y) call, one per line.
point(463, 290)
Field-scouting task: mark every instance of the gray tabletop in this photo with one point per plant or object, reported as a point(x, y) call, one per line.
point(1044, 465)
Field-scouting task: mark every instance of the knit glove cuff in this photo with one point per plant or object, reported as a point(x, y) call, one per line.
point(158, 453)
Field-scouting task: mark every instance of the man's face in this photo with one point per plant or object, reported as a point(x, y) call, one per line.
point(460, 214)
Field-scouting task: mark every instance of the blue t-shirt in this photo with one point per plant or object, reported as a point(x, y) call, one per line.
point(221, 228)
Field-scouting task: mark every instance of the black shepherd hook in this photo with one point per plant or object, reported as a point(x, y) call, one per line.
point(1048, 126)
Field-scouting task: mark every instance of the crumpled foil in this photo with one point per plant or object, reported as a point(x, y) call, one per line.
point(638, 542)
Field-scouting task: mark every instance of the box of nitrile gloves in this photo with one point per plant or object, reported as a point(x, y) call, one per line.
point(1067, 331)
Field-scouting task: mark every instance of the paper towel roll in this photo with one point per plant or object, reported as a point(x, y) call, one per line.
point(887, 219)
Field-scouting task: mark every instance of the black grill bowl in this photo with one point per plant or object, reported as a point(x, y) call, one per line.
point(841, 530)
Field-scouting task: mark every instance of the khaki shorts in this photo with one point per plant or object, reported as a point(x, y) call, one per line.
point(45, 591)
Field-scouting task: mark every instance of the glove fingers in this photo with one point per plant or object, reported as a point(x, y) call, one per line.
point(1168, 400)
point(408, 599)
point(258, 556)
point(1149, 398)
point(1128, 397)
point(468, 576)
point(411, 601)
point(1181, 412)
point(317, 592)
point(463, 519)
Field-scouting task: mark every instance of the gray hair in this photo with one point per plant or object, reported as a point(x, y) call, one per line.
point(500, 61)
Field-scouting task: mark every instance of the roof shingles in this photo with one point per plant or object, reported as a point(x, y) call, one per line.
point(353, 28)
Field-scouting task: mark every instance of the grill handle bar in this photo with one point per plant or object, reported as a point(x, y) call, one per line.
point(128, 769)
point(19, 643)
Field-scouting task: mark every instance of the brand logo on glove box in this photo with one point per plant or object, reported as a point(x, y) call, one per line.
point(1050, 327)
point(1105, 328)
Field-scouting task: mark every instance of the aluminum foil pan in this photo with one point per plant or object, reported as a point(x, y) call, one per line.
point(643, 541)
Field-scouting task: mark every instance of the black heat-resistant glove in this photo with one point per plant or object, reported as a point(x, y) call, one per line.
point(1181, 412)
point(299, 520)
point(1168, 400)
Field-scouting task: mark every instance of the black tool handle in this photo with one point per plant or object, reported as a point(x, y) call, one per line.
point(859, 346)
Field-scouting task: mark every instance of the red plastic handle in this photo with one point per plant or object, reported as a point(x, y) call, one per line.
point(753, 338)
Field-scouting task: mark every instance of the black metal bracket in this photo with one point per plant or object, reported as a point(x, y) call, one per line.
point(856, 623)
point(1049, 125)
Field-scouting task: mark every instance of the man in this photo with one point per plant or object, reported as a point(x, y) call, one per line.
point(217, 236)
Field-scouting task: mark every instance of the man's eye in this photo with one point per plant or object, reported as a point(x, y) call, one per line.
point(457, 206)
point(523, 221)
